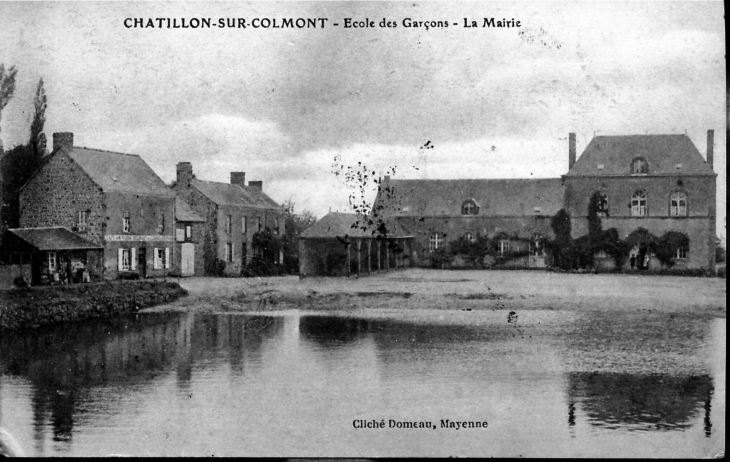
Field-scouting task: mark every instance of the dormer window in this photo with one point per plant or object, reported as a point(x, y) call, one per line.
point(469, 207)
point(639, 166)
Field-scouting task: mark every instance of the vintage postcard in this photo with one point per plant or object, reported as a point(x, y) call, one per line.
point(363, 229)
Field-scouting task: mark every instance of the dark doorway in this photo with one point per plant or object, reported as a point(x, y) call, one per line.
point(142, 262)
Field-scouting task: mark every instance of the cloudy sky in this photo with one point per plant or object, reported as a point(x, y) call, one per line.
point(284, 105)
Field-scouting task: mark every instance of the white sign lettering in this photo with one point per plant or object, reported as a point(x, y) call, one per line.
point(132, 237)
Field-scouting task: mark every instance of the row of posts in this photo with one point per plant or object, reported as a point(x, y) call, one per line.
point(399, 260)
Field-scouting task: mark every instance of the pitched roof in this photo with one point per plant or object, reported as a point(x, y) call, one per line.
point(114, 171)
point(494, 197)
point(183, 211)
point(663, 153)
point(46, 239)
point(233, 194)
point(338, 224)
point(335, 224)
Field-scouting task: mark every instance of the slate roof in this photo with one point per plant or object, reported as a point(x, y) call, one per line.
point(662, 152)
point(494, 197)
point(114, 171)
point(183, 211)
point(46, 239)
point(233, 194)
point(336, 224)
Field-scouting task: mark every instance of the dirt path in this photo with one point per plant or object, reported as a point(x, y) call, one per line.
point(463, 290)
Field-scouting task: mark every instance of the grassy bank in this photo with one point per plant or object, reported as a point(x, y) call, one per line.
point(37, 306)
point(458, 290)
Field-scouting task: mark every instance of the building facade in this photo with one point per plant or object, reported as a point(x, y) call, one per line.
point(235, 215)
point(112, 199)
point(659, 183)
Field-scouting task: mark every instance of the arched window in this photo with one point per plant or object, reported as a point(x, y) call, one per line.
point(678, 204)
point(638, 204)
point(435, 241)
point(639, 166)
point(469, 207)
point(470, 237)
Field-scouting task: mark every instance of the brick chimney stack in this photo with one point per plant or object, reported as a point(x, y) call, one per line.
point(184, 173)
point(257, 184)
point(571, 150)
point(63, 140)
point(238, 178)
point(710, 148)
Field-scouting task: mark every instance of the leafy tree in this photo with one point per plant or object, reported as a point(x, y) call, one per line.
point(19, 164)
point(562, 255)
point(472, 251)
point(7, 88)
point(720, 252)
point(294, 225)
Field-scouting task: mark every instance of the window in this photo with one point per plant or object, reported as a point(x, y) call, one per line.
point(125, 222)
point(161, 224)
point(229, 223)
point(125, 263)
point(537, 246)
point(435, 241)
point(470, 237)
point(229, 252)
point(639, 166)
point(503, 246)
point(682, 252)
point(469, 207)
point(258, 223)
point(52, 261)
point(638, 204)
point(244, 224)
point(602, 205)
point(276, 225)
point(188, 232)
point(161, 257)
point(82, 219)
point(678, 204)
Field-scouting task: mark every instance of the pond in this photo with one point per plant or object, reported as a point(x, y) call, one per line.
point(306, 384)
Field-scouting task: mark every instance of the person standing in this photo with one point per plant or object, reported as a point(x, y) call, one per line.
point(632, 260)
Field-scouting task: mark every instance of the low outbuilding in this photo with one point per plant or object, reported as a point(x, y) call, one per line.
point(345, 244)
point(44, 256)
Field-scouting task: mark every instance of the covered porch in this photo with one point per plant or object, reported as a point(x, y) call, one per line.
point(46, 256)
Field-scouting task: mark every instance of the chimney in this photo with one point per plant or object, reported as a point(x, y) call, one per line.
point(257, 184)
point(63, 140)
point(710, 147)
point(571, 150)
point(184, 173)
point(238, 178)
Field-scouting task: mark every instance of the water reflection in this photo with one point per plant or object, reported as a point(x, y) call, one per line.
point(640, 402)
point(241, 379)
point(65, 363)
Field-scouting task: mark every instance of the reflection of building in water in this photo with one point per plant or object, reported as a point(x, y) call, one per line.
point(640, 402)
point(65, 363)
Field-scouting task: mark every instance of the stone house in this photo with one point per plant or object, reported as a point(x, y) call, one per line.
point(112, 199)
point(189, 232)
point(514, 212)
point(657, 182)
point(235, 215)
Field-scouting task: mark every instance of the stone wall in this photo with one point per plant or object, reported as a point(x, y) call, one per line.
point(39, 306)
point(58, 190)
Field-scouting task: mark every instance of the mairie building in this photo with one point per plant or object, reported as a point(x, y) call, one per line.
point(660, 183)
